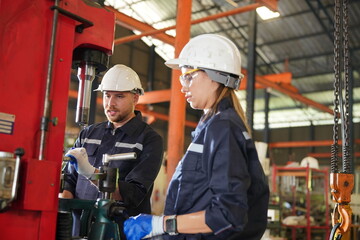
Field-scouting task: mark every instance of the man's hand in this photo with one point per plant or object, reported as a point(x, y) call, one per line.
point(79, 159)
point(143, 226)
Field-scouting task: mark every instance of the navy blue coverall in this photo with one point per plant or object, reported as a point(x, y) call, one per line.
point(135, 178)
point(221, 174)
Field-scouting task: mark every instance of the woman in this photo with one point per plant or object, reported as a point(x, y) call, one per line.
point(219, 190)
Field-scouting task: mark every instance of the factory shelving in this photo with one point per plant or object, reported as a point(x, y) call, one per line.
point(304, 191)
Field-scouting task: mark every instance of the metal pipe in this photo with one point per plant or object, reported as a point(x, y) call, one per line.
point(86, 75)
point(46, 109)
point(93, 102)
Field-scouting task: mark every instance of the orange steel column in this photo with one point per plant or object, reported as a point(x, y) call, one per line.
point(177, 112)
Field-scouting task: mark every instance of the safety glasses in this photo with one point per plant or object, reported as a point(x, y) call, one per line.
point(186, 78)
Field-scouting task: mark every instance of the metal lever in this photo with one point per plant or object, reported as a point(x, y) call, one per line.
point(118, 157)
point(107, 184)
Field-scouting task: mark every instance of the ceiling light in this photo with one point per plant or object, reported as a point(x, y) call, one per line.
point(266, 13)
point(231, 2)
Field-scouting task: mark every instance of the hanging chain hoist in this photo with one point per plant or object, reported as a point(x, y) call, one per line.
point(341, 182)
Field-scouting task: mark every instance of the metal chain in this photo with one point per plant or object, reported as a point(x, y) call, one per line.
point(341, 108)
point(335, 147)
point(346, 145)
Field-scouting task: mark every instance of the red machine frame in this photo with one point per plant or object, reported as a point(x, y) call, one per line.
point(26, 30)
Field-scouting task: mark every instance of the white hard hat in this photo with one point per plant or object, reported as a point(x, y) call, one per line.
point(121, 78)
point(310, 161)
point(209, 51)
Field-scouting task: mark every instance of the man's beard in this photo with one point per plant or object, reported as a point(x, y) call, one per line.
point(118, 117)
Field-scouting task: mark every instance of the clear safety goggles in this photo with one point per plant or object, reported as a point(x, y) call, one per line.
point(187, 77)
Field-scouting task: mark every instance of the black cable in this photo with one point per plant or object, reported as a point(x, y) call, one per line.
point(333, 231)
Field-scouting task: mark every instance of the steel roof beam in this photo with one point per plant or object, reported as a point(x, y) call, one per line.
point(328, 155)
point(133, 24)
point(153, 32)
point(321, 22)
point(294, 95)
point(318, 143)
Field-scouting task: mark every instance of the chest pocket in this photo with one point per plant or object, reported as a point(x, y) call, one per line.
point(191, 162)
point(91, 150)
point(192, 175)
point(192, 158)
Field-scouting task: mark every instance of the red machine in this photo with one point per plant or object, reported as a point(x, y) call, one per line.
point(40, 41)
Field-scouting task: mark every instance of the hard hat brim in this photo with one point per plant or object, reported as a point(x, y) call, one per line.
point(140, 90)
point(174, 63)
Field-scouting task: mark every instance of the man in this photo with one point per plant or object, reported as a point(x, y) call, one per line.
point(124, 132)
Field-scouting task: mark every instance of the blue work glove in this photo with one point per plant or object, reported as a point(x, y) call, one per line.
point(143, 226)
point(79, 159)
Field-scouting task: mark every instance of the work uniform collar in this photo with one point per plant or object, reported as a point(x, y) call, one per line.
point(224, 104)
point(130, 127)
